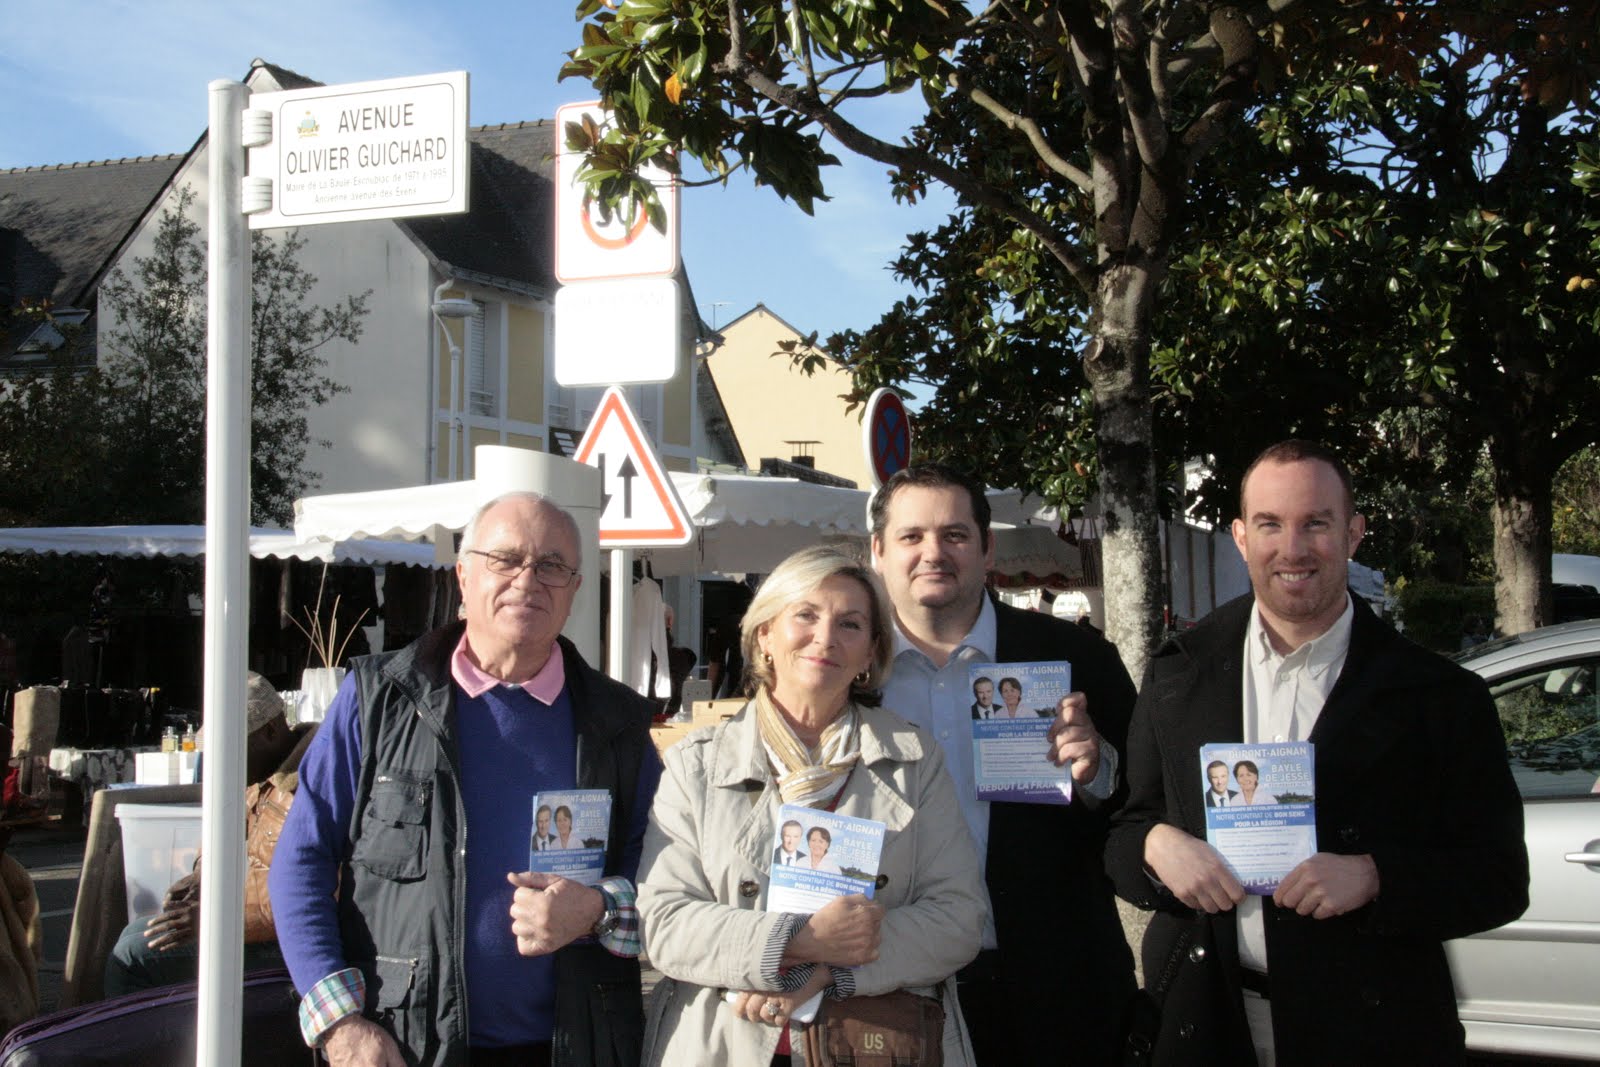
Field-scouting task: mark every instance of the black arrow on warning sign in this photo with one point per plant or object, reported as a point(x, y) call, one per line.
point(627, 472)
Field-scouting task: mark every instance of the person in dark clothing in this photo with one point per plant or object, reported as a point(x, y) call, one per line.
point(1344, 963)
point(407, 946)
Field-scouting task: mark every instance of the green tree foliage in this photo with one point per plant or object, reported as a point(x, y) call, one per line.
point(153, 359)
point(124, 441)
point(1069, 132)
point(1420, 266)
point(1438, 615)
point(1576, 514)
point(1184, 228)
point(55, 450)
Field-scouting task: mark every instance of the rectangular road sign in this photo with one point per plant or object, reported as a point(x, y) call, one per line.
point(364, 150)
point(619, 331)
point(587, 248)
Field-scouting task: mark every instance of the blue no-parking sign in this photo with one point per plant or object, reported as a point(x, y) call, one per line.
point(886, 432)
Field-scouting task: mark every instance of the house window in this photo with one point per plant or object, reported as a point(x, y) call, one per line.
point(646, 403)
point(483, 363)
point(47, 336)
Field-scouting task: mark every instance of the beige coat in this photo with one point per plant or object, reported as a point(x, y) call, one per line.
point(711, 832)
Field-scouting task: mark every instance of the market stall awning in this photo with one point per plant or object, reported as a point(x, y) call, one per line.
point(744, 524)
point(144, 542)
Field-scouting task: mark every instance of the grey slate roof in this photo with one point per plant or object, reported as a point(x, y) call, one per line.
point(61, 224)
point(507, 233)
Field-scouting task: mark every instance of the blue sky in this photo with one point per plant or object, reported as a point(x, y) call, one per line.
point(82, 80)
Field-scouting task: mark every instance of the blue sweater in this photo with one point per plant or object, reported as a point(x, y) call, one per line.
point(512, 747)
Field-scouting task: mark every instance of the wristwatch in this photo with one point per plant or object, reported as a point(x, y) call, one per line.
point(609, 918)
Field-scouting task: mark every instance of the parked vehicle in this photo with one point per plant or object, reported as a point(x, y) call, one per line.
point(1533, 986)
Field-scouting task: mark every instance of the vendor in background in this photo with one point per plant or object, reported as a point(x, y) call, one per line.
point(162, 950)
point(680, 663)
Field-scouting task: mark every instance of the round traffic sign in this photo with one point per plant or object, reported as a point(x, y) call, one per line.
point(887, 435)
point(598, 232)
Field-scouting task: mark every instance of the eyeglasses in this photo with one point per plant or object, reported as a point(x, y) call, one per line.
point(550, 572)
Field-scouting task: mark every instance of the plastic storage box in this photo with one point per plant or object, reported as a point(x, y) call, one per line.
point(159, 846)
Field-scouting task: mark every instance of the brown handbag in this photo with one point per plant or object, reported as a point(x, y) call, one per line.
point(266, 807)
point(898, 1029)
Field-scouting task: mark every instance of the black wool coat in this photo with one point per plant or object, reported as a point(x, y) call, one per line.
point(1411, 769)
point(1064, 962)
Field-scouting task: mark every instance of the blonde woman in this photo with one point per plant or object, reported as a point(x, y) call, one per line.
point(818, 640)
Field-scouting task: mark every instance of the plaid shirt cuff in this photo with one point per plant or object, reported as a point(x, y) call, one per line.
point(623, 941)
point(341, 993)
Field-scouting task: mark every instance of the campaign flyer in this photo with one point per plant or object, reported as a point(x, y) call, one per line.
point(1260, 804)
point(818, 855)
point(569, 834)
point(1013, 705)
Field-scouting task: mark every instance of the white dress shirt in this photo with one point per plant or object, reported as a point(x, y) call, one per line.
point(1283, 695)
point(939, 699)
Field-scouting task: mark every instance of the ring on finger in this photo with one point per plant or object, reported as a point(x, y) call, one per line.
point(770, 1010)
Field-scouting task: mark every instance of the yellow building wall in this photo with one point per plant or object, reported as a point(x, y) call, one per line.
point(441, 458)
point(480, 435)
point(769, 402)
point(676, 410)
point(527, 441)
point(525, 364)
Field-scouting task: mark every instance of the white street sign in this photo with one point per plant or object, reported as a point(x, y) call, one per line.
point(627, 247)
point(638, 504)
point(617, 331)
point(364, 150)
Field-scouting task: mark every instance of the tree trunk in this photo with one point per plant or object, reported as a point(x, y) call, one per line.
point(1522, 543)
point(1117, 363)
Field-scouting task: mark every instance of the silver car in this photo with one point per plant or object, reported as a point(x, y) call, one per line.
point(1533, 986)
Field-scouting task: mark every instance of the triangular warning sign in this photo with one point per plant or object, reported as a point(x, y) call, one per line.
point(639, 504)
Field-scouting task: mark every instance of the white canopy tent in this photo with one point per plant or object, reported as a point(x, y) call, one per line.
point(132, 542)
point(744, 524)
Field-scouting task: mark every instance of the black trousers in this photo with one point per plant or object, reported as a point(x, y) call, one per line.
point(991, 1022)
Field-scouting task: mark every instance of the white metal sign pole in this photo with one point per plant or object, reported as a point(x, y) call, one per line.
point(217, 1041)
point(621, 614)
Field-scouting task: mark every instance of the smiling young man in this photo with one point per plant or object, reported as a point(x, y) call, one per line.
point(1345, 962)
point(455, 734)
point(1054, 981)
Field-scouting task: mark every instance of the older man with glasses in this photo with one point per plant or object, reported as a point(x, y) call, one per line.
point(392, 926)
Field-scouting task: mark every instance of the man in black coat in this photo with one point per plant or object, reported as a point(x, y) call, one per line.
point(1055, 979)
point(1418, 821)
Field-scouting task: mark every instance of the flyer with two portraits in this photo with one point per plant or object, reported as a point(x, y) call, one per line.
point(1013, 705)
point(818, 855)
point(1260, 804)
point(570, 828)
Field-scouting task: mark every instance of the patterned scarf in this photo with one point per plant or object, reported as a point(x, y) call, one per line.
point(805, 776)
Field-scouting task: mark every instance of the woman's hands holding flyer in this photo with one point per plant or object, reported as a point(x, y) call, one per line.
point(845, 932)
point(776, 1009)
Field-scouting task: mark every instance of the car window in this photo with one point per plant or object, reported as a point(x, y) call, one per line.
point(1551, 717)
